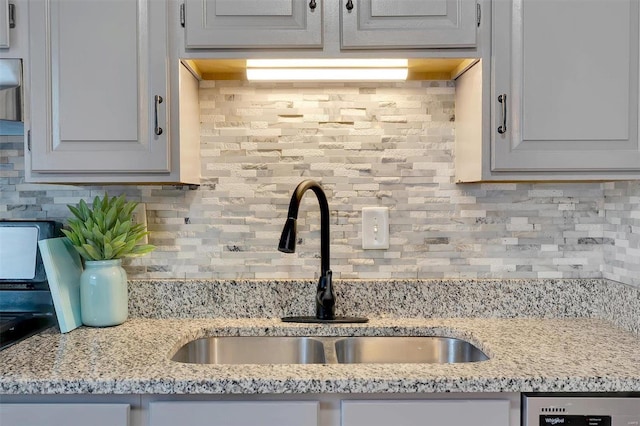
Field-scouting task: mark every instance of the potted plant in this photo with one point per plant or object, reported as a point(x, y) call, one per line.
point(103, 234)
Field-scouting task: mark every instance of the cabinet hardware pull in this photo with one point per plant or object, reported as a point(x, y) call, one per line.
point(158, 101)
point(503, 100)
point(349, 5)
point(312, 4)
point(12, 15)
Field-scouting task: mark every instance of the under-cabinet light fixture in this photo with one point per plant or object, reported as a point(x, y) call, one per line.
point(327, 69)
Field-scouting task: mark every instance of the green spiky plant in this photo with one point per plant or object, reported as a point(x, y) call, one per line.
point(105, 231)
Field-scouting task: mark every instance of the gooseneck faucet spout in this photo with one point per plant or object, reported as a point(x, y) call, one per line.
point(325, 297)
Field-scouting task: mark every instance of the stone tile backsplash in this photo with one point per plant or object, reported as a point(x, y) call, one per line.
point(622, 226)
point(387, 145)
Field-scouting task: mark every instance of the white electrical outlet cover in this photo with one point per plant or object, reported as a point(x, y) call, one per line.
point(375, 228)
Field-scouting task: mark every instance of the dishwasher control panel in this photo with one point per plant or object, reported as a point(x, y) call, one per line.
point(581, 410)
point(570, 420)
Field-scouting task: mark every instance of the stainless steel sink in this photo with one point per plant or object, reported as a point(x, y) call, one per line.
point(327, 350)
point(252, 350)
point(376, 350)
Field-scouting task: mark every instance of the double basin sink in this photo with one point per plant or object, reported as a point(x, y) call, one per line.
point(327, 350)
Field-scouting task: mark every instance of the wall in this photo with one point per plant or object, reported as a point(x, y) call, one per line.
point(369, 145)
point(622, 225)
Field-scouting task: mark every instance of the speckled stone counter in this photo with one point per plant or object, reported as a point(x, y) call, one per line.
point(567, 355)
point(453, 298)
point(540, 335)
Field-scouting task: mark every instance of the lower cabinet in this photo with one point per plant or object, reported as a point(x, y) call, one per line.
point(460, 412)
point(426, 413)
point(272, 413)
point(464, 409)
point(60, 414)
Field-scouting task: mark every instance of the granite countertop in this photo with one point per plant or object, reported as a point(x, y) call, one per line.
point(526, 354)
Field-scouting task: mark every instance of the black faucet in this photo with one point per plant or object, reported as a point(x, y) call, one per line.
point(325, 297)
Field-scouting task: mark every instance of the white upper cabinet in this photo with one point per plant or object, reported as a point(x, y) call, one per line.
point(565, 93)
point(5, 23)
point(14, 29)
point(408, 23)
point(253, 23)
point(98, 72)
point(332, 25)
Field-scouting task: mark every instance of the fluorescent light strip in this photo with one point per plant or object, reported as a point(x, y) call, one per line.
point(327, 69)
point(327, 63)
point(326, 74)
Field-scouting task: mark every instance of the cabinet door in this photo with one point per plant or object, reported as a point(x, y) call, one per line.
point(4, 24)
point(426, 413)
point(253, 23)
point(14, 31)
point(64, 414)
point(569, 71)
point(294, 413)
point(96, 67)
point(408, 23)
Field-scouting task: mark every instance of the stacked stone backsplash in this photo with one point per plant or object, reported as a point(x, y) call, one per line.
point(622, 226)
point(368, 144)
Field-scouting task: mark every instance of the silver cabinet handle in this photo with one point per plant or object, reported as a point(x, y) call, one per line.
point(312, 4)
point(503, 100)
point(349, 5)
point(157, 101)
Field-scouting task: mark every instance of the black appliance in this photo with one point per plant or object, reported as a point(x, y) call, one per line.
point(26, 306)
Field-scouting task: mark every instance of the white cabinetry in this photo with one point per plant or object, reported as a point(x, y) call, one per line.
point(570, 74)
point(363, 24)
point(98, 91)
point(273, 413)
point(564, 94)
point(5, 23)
point(62, 414)
point(569, 71)
point(409, 24)
point(253, 23)
point(463, 409)
point(13, 29)
point(14, 39)
point(93, 105)
point(426, 413)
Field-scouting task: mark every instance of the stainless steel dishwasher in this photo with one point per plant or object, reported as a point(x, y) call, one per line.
point(581, 409)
